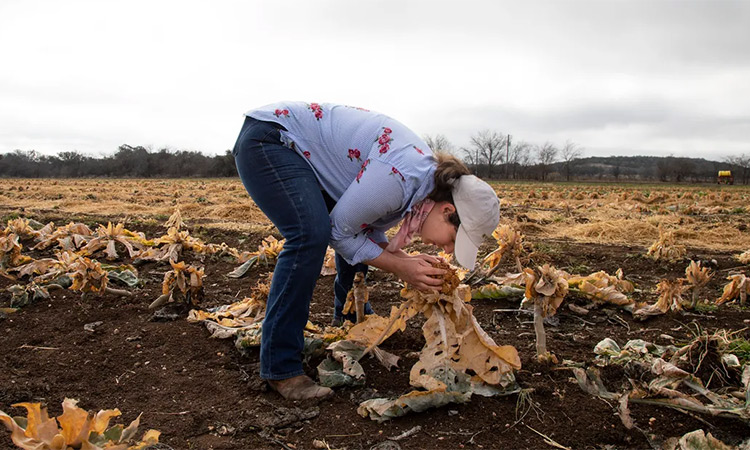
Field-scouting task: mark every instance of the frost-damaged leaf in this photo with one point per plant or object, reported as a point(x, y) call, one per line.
point(374, 326)
point(36, 267)
point(228, 319)
point(125, 274)
point(175, 220)
point(331, 374)
point(608, 352)
point(697, 278)
point(183, 283)
point(545, 289)
point(78, 429)
point(88, 276)
point(670, 385)
point(509, 245)
point(22, 228)
point(329, 264)
point(666, 247)
point(670, 298)
point(267, 253)
point(25, 295)
point(696, 440)
point(603, 288)
point(10, 252)
point(357, 297)
point(245, 314)
point(381, 409)
point(107, 237)
point(738, 286)
point(69, 237)
point(454, 338)
point(744, 257)
point(493, 291)
point(343, 367)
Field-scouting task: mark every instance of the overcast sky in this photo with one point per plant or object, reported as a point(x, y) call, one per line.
point(616, 77)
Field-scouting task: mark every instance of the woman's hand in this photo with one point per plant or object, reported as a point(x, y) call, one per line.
point(416, 270)
point(419, 273)
point(429, 258)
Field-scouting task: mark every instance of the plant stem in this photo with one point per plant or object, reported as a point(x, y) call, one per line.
point(118, 292)
point(541, 338)
point(695, 298)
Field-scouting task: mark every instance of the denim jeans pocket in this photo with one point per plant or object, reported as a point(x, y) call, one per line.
point(254, 131)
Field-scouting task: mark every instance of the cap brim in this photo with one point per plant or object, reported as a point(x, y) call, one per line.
point(465, 251)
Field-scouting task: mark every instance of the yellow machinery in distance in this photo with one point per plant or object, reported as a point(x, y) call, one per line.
point(725, 177)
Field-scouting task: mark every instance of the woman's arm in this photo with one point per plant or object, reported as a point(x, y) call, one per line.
point(415, 270)
point(376, 194)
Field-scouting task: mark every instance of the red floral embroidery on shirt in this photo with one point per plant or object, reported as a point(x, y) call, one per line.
point(384, 139)
point(354, 154)
point(307, 154)
point(362, 170)
point(281, 112)
point(394, 171)
point(418, 150)
point(366, 228)
point(317, 110)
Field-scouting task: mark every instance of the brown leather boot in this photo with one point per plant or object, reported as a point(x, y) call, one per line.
point(300, 387)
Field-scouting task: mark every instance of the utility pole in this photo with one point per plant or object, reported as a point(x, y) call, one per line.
point(507, 155)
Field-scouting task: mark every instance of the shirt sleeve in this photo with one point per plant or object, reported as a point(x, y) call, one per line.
point(376, 193)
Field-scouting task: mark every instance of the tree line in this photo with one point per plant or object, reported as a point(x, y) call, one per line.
point(127, 161)
point(494, 155)
point(490, 155)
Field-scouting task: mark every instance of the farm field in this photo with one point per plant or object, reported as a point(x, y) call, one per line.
point(111, 351)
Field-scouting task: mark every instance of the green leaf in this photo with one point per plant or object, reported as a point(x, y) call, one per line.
point(114, 433)
point(240, 271)
point(125, 276)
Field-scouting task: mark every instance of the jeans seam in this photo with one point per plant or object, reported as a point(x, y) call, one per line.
point(296, 256)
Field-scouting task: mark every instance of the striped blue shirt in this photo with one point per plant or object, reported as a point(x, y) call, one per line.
point(373, 166)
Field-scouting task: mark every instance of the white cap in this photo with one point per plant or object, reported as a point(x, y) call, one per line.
point(479, 210)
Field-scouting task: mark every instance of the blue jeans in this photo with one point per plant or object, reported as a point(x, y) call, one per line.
point(285, 188)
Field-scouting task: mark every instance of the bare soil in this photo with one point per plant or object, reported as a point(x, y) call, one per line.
point(202, 393)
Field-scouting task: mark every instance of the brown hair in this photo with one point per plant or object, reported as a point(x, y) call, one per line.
point(449, 168)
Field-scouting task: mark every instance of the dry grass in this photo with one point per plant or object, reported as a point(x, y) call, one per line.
point(708, 217)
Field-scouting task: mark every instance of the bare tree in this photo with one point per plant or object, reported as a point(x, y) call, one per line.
point(520, 158)
point(616, 171)
point(742, 161)
point(569, 153)
point(438, 143)
point(546, 155)
point(490, 146)
point(471, 158)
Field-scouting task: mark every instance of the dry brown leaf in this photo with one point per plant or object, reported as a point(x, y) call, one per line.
point(88, 276)
point(107, 239)
point(10, 252)
point(509, 245)
point(77, 428)
point(329, 264)
point(175, 220)
point(738, 286)
point(69, 237)
point(670, 298)
point(367, 331)
point(666, 247)
point(453, 338)
point(744, 257)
